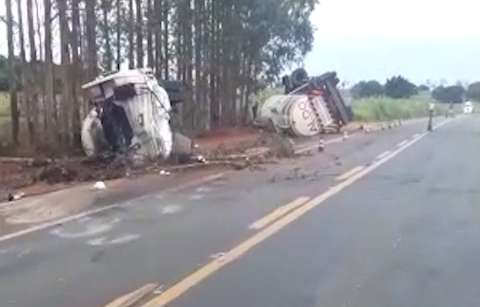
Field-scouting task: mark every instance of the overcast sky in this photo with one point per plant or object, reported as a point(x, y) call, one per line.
point(375, 39)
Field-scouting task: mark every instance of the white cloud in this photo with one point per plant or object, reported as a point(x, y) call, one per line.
point(424, 39)
point(425, 20)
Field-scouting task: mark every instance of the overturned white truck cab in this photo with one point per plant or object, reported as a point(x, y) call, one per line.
point(130, 113)
point(309, 106)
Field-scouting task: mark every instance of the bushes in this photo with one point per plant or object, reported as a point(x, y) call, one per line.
point(399, 87)
point(364, 89)
point(473, 91)
point(383, 108)
point(449, 94)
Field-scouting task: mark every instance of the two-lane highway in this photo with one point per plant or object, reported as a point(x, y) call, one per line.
point(385, 219)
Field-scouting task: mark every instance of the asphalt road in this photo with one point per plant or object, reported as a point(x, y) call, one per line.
point(389, 219)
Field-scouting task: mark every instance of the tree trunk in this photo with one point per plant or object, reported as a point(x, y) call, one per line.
point(50, 116)
point(198, 62)
point(131, 31)
point(139, 24)
point(31, 32)
point(21, 36)
point(166, 35)
point(108, 61)
point(12, 77)
point(158, 37)
point(23, 75)
point(91, 22)
point(150, 23)
point(214, 69)
point(119, 37)
point(39, 32)
point(76, 74)
point(33, 102)
point(65, 107)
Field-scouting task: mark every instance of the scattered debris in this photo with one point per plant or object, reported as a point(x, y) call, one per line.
point(218, 256)
point(321, 145)
point(57, 172)
point(159, 290)
point(16, 196)
point(165, 173)
point(99, 185)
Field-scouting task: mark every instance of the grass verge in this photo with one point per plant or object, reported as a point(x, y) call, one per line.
point(384, 108)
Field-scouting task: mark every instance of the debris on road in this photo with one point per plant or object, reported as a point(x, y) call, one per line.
point(15, 196)
point(99, 186)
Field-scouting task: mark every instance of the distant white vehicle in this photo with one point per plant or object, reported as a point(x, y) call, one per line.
point(468, 107)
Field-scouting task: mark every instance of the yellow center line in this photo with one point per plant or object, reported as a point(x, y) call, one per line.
point(350, 173)
point(201, 274)
point(132, 298)
point(279, 212)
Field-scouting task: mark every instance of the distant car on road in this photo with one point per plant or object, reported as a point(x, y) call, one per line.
point(468, 107)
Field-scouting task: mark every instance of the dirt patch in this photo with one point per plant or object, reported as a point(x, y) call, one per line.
point(224, 141)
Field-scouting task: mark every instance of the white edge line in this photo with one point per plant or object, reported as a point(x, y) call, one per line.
point(402, 143)
point(129, 203)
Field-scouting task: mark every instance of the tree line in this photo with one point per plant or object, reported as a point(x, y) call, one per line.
point(400, 87)
point(224, 52)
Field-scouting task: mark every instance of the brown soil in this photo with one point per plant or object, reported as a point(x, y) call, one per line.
point(227, 140)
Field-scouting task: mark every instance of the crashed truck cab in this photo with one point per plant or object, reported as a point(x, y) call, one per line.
point(130, 113)
point(310, 106)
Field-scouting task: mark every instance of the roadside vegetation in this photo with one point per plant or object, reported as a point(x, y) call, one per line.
point(4, 108)
point(385, 108)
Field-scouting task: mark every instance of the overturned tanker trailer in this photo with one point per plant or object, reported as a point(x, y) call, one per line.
point(310, 106)
point(130, 113)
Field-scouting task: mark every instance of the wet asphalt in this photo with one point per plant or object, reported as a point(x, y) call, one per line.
point(403, 235)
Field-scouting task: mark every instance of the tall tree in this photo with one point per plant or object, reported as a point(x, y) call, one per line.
point(75, 71)
point(108, 56)
point(131, 31)
point(139, 27)
point(166, 38)
point(150, 22)
point(65, 107)
point(91, 24)
point(119, 4)
point(39, 31)
point(11, 69)
point(23, 74)
point(21, 33)
point(31, 32)
point(157, 25)
point(50, 116)
point(198, 33)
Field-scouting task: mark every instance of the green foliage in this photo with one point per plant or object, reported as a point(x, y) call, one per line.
point(473, 91)
point(399, 87)
point(4, 108)
point(449, 94)
point(3, 74)
point(384, 108)
point(365, 89)
point(423, 88)
point(275, 32)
